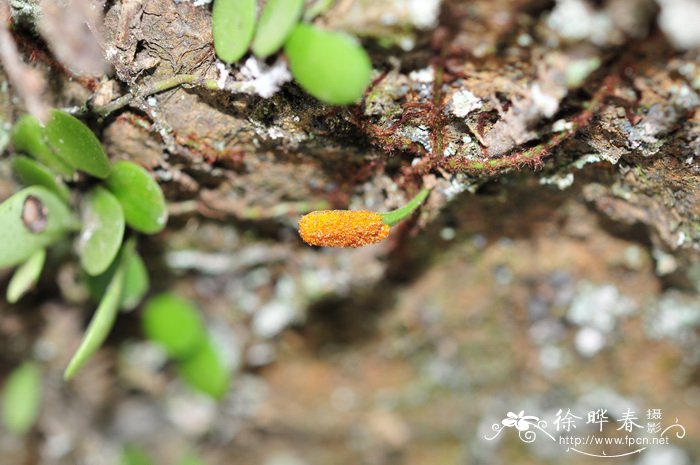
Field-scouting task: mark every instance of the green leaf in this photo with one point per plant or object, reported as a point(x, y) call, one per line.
point(26, 276)
point(22, 398)
point(395, 216)
point(133, 455)
point(102, 233)
point(76, 144)
point(191, 459)
point(277, 20)
point(28, 137)
point(136, 281)
point(331, 66)
point(233, 24)
point(205, 371)
point(31, 219)
point(100, 325)
point(174, 324)
point(141, 198)
point(31, 173)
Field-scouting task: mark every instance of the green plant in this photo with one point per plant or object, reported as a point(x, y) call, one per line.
point(21, 398)
point(329, 65)
point(47, 211)
point(175, 325)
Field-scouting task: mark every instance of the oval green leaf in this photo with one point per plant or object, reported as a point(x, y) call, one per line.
point(174, 324)
point(331, 66)
point(134, 455)
point(141, 198)
point(26, 276)
point(277, 20)
point(100, 325)
point(233, 24)
point(102, 233)
point(136, 281)
point(31, 173)
point(205, 371)
point(22, 398)
point(76, 144)
point(28, 137)
point(31, 219)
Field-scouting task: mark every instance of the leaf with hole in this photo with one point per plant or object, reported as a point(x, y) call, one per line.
point(233, 25)
point(174, 324)
point(205, 371)
point(76, 144)
point(331, 66)
point(28, 137)
point(32, 219)
point(31, 173)
point(26, 276)
point(102, 233)
point(277, 20)
point(100, 325)
point(21, 398)
point(141, 198)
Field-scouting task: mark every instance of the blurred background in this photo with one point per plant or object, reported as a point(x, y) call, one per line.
point(569, 284)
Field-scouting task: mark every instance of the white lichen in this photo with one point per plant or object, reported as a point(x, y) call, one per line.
point(464, 102)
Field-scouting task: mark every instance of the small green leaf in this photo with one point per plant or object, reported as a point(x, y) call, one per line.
point(205, 371)
point(134, 455)
point(141, 198)
point(26, 276)
point(331, 66)
point(277, 20)
point(31, 219)
point(173, 323)
point(76, 144)
point(136, 281)
point(233, 24)
point(100, 325)
point(22, 398)
point(191, 459)
point(28, 137)
point(102, 233)
point(31, 173)
point(395, 216)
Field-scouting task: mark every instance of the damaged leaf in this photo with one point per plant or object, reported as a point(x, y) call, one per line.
point(31, 220)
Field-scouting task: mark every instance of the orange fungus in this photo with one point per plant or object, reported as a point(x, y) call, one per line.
point(342, 228)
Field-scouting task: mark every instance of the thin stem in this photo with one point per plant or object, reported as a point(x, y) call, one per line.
point(154, 88)
point(395, 216)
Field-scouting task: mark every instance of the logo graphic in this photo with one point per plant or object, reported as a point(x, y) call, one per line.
point(637, 436)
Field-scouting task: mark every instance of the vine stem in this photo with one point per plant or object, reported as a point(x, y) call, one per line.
point(395, 216)
point(154, 88)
